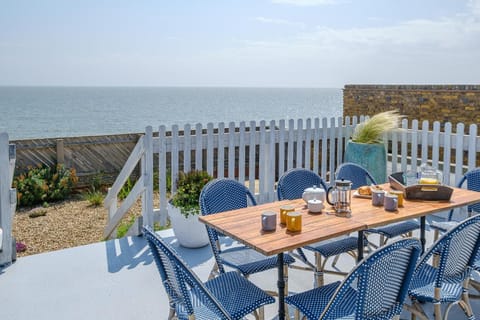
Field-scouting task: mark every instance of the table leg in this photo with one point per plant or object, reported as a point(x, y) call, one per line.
point(360, 246)
point(281, 287)
point(422, 232)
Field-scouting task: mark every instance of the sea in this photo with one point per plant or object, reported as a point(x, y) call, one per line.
point(54, 112)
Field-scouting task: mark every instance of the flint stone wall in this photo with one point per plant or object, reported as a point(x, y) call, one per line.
point(443, 103)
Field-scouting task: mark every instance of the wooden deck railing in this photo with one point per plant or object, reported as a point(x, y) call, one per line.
point(257, 153)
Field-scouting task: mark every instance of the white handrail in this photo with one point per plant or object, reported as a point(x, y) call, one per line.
point(8, 200)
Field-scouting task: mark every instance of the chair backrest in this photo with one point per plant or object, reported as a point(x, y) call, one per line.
point(181, 284)
point(473, 183)
point(358, 175)
point(381, 281)
point(293, 182)
point(457, 249)
point(224, 194)
point(472, 178)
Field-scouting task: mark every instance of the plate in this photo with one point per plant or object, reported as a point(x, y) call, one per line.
point(363, 196)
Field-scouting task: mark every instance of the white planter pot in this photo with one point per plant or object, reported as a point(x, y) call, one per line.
point(190, 232)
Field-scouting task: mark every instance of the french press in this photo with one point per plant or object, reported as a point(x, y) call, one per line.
point(341, 197)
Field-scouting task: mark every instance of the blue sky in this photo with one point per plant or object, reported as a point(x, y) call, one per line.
point(267, 43)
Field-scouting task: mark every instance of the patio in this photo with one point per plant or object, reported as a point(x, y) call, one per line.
point(118, 280)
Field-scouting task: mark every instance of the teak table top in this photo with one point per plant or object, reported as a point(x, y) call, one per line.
point(245, 224)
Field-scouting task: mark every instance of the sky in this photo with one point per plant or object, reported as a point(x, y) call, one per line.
point(239, 43)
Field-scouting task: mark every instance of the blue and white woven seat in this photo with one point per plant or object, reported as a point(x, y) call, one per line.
point(221, 195)
point(472, 178)
point(448, 282)
point(375, 289)
point(228, 296)
point(291, 185)
point(359, 176)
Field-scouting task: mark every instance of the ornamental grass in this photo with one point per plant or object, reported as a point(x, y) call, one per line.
point(372, 130)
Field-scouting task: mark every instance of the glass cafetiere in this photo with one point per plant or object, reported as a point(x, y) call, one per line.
point(340, 197)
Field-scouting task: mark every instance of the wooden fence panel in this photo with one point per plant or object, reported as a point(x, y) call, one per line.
point(90, 156)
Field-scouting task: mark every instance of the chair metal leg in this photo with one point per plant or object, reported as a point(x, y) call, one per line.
point(415, 310)
point(318, 274)
point(297, 314)
point(215, 272)
point(171, 314)
point(437, 310)
point(285, 273)
point(437, 293)
point(465, 302)
point(475, 285)
point(435, 260)
point(383, 240)
point(335, 260)
point(260, 314)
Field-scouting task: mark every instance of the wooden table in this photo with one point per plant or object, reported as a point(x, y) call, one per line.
point(244, 225)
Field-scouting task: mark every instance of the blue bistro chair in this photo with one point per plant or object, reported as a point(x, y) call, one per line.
point(375, 289)
point(472, 178)
point(448, 281)
point(221, 195)
point(228, 296)
point(291, 186)
point(359, 176)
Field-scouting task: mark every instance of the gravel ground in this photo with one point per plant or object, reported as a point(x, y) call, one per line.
point(65, 224)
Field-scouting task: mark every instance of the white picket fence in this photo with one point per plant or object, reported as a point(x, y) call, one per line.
point(8, 199)
point(258, 153)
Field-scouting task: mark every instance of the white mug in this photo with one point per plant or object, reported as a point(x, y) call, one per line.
point(391, 202)
point(377, 197)
point(269, 221)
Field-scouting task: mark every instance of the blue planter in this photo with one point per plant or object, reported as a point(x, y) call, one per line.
point(372, 157)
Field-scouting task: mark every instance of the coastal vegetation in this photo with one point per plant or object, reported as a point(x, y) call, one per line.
point(44, 184)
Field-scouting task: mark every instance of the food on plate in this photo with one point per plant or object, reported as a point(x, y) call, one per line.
point(365, 191)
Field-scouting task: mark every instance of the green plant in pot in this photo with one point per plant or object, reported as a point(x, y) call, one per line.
point(366, 148)
point(184, 209)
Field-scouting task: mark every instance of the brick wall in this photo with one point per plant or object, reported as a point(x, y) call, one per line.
point(444, 103)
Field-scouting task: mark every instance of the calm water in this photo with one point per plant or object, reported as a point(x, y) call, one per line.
point(41, 112)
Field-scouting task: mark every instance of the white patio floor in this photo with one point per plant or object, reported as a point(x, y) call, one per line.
point(115, 280)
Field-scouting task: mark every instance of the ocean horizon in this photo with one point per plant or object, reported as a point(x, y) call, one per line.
point(30, 112)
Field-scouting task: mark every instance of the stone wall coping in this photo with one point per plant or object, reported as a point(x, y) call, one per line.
point(449, 87)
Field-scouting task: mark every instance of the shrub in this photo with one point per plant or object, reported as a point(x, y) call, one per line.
point(189, 186)
point(44, 184)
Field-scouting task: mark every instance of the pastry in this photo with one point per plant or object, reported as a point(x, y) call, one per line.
point(365, 191)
